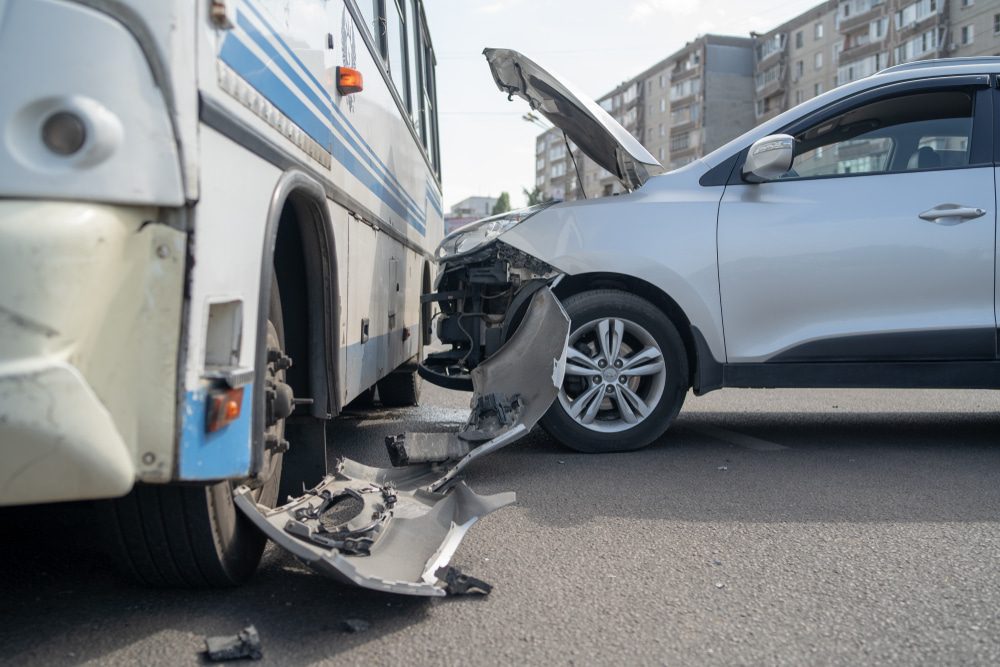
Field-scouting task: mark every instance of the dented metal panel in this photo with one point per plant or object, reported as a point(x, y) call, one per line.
point(395, 529)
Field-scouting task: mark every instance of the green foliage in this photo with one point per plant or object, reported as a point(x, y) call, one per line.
point(535, 196)
point(503, 203)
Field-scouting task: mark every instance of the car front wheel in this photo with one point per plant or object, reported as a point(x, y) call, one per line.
point(626, 374)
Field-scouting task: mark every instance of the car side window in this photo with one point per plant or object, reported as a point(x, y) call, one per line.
point(919, 131)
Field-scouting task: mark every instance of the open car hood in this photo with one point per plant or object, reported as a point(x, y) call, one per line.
point(586, 124)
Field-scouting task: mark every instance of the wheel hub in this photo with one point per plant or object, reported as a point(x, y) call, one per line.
point(615, 375)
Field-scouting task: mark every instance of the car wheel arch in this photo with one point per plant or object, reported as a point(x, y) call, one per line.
point(576, 284)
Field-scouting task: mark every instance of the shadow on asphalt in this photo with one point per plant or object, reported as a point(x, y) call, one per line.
point(870, 467)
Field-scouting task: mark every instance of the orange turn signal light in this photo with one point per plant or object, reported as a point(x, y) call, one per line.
point(224, 406)
point(349, 81)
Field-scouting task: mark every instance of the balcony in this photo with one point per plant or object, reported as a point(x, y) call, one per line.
point(771, 87)
point(911, 29)
point(859, 51)
point(858, 20)
point(681, 74)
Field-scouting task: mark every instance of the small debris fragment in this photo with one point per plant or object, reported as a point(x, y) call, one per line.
point(716, 562)
point(561, 462)
point(719, 584)
point(246, 644)
point(456, 583)
point(723, 468)
point(355, 625)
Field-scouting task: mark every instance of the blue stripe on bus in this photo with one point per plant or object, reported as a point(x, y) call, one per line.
point(435, 202)
point(293, 75)
point(245, 63)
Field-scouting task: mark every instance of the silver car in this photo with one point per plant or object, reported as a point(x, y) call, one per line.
point(850, 242)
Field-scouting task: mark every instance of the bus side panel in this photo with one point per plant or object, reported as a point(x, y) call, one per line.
point(228, 242)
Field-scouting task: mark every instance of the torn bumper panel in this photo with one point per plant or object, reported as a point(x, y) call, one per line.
point(376, 528)
point(395, 529)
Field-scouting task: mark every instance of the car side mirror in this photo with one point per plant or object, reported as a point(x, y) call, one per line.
point(769, 158)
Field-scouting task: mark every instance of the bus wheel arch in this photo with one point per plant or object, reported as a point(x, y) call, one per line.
point(300, 249)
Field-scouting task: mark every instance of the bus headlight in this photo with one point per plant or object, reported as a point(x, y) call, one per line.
point(477, 234)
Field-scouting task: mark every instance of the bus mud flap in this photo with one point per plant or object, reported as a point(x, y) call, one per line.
point(396, 529)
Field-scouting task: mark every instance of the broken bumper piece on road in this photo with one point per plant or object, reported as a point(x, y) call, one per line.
point(395, 529)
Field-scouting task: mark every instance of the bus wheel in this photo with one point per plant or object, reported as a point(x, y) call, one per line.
point(400, 389)
point(192, 535)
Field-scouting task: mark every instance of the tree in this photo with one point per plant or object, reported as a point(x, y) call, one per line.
point(535, 196)
point(503, 204)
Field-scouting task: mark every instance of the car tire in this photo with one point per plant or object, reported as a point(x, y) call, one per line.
point(645, 329)
point(400, 389)
point(192, 535)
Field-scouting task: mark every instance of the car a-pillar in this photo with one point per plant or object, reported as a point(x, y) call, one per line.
point(190, 534)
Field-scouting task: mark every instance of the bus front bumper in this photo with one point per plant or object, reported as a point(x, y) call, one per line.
point(90, 314)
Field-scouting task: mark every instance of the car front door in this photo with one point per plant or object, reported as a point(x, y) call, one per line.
point(878, 245)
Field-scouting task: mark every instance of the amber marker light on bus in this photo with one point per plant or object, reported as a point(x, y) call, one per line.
point(349, 81)
point(224, 407)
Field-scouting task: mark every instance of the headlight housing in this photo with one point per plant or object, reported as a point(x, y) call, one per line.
point(476, 234)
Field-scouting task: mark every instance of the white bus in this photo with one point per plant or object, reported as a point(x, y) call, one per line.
point(206, 209)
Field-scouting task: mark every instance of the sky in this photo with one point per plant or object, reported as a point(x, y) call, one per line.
point(486, 147)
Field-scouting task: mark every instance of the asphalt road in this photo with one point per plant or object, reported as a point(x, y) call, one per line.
point(768, 527)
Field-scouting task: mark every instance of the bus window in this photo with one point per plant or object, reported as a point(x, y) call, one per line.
point(413, 63)
point(395, 32)
point(369, 10)
point(430, 103)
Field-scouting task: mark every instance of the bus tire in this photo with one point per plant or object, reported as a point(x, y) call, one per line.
point(192, 535)
point(400, 389)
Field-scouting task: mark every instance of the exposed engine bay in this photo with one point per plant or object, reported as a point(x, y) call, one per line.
point(483, 297)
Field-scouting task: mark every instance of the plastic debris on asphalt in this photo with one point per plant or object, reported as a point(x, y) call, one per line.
point(244, 645)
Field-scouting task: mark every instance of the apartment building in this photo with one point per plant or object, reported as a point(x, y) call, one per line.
point(879, 33)
point(795, 61)
point(717, 87)
point(975, 27)
point(554, 172)
point(682, 107)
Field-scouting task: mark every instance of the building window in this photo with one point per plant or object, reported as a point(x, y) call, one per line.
point(817, 89)
point(799, 69)
point(663, 81)
point(798, 39)
point(968, 3)
point(798, 97)
point(818, 59)
point(996, 24)
point(663, 104)
point(663, 130)
point(818, 31)
point(680, 142)
point(968, 35)
point(660, 153)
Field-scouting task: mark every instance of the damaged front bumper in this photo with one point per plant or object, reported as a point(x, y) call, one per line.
point(395, 529)
point(483, 297)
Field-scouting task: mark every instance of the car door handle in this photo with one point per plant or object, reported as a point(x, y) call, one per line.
point(951, 214)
